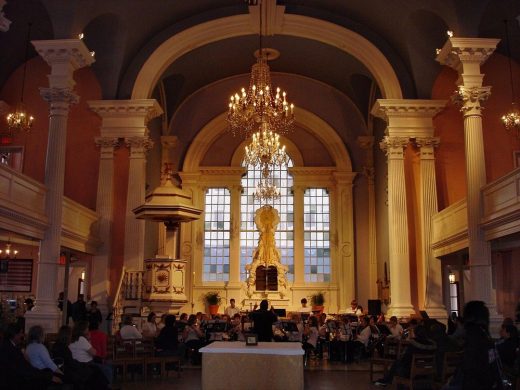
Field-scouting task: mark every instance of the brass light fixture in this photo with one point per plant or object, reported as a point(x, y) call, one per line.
point(511, 119)
point(260, 103)
point(20, 119)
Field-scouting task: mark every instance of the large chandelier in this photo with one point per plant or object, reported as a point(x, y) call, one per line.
point(265, 150)
point(260, 103)
point(511, 120)
point(19, 119)
point(265, 189)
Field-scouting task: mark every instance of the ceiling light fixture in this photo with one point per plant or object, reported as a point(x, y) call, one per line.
point(511, 119)
point(20, 119)
point(260, 103)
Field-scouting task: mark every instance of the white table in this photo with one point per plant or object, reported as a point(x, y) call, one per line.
point(233, 365)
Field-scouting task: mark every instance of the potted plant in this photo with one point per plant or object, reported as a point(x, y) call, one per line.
point(317, 302)
point(212, 300)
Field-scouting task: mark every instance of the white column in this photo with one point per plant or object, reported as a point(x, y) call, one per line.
point(432, 274)
point(367, 143)
point(298, 200)
point(345, 237)
point(234, 250)
point(466, 55)
point(100, 286)
point(134, 228)
point(399, 253)
point(64, 57)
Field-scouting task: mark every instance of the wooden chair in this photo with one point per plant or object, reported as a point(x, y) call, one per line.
point(391, 351)
point(125, 355)
point(423, 370)
point(50, 340)
point(450, 363)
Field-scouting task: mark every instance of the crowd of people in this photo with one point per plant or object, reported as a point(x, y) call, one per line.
point(79, 354)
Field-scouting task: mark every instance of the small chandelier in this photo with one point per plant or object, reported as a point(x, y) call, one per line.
point(260, 103)
point(264, 149)
point(511, 120)
point(20, 119)
point(8, 252)
point(266, 190)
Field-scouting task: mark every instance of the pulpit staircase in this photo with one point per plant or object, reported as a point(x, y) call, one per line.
point(128, 297)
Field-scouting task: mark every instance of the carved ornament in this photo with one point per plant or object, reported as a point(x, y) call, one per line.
point(470, 99)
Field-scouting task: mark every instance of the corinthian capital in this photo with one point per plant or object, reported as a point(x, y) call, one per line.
point(392, 145)
point(59, 95)
point(106, 142)
point(470, 99)
point(143, 144)
point(432, 142)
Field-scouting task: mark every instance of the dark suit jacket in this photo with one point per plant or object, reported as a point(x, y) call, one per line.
point(263, 324)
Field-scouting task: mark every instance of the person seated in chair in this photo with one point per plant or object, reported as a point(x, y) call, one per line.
point(15, 371)
point(356, 347)
point(305, 308)
point(311, 334)
point(167, 342)
point(420, 343)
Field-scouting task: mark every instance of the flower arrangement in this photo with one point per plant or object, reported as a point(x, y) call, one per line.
point(212, 298)
point(318, 298)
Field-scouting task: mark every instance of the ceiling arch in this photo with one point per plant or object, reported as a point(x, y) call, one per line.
point(307, 120)
point(293, 25)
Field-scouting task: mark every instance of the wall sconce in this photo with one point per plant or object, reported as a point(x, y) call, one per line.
point(451, 277)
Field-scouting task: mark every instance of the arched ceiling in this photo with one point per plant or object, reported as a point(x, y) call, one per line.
point(124, 32)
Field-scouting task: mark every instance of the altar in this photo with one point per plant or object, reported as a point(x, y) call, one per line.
point(233, 365)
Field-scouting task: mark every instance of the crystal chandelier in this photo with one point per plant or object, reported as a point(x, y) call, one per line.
point(264, 149)
point(260, 103)
point(511, 120)
point(8, 252)
point(20, 119)
point(266, 190)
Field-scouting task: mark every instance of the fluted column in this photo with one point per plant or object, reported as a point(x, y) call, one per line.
point(367, 143)
point(134, 228)
point(234, 250)
point(432, 274)
point(399, 252)
point(344, 210)
point(105, 207)
point(298, 200)
point(64, 57)
point(466, 55)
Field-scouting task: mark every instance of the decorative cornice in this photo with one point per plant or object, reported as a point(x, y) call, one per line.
point(59, 95)
point(470, 99)
point(387, 108)
point(147, 108)
point(58, 51)
point(303, 171)
point(215, 171)
point(457, 51)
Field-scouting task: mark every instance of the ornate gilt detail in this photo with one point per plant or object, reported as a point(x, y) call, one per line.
point(59, 95)
point(470, 99)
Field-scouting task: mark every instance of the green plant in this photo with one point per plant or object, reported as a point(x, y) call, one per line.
point(212, 298)
point(318, 298)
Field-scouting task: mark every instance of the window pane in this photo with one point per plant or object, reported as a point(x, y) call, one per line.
point(316, 235)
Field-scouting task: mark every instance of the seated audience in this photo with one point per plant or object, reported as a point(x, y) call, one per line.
point(360, 343)
point(167, 342)
point(37, 353)
point(80, 375)
point(98, 340)
point(149, 329)
point(355, 309)
point(396, 330)
point(311, 335)
point(420, 343)
point(507, 346)
point(15, 371)
point(193, 338)
point(305, 308)
point(129, 331)
point(82, 350)
point(231, 310)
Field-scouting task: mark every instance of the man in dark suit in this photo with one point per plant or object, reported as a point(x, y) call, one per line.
point(16, 372)
point(263, 320)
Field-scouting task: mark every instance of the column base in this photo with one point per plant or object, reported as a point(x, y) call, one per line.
point(49, 320)
point(400, 311)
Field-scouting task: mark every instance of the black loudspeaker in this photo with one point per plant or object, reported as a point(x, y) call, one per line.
point(374, 307)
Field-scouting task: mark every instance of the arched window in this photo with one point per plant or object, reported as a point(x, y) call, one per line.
point(285, 232)
point(316, 231)
point(216, 235)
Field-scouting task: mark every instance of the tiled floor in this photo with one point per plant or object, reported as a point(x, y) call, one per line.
point(327, 376)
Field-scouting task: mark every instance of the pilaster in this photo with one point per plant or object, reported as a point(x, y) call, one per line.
point(234, 250)
point(399, 255)
point(298, 200)
point(367, 143)
point(100, 287)
point(466, 55)
point(431, 271)
point(64, 57)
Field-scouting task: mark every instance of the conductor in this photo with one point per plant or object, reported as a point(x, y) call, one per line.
point(263, 320)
